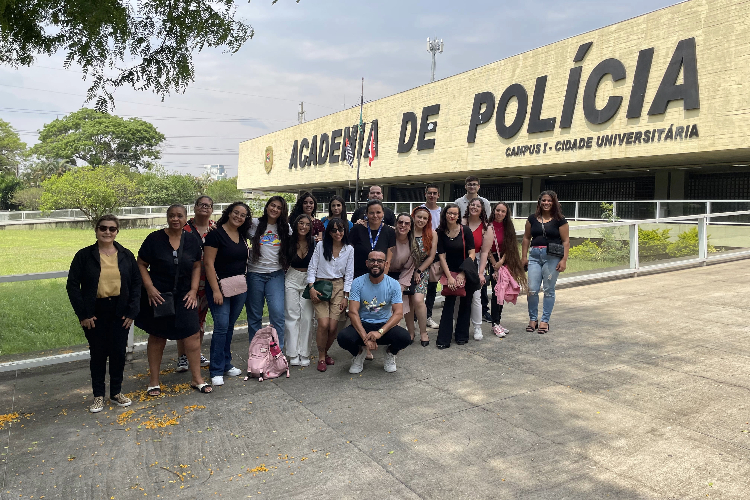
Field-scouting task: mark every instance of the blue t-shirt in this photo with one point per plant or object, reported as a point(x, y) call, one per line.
point(375, 301)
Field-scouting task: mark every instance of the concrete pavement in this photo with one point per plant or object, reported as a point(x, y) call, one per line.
point(640, 390)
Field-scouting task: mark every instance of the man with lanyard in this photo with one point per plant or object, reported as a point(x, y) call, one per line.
point(472, 191)
point(432, 193)
point(375, 309)
point(199, 226)
point(360, 215)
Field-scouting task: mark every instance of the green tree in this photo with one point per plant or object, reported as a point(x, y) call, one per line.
point(162, 188)
point(224, 191)
point(100, 139)
point(41, 170)
point(28, 198)
point(9, 183)
point(12, 149)
point(148, 45)
point(94, 191)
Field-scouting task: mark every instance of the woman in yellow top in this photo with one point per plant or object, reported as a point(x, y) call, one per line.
point(104, 287)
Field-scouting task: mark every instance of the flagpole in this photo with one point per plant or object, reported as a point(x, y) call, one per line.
point(362, 132)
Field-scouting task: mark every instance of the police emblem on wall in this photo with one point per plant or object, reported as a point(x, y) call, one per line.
point(269, 159)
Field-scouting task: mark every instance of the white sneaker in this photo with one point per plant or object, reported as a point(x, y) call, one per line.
point(234, 372)
point(304, 361)
point(358, 363)
point(431, 323)
point(204, 361)
point(295, 361)
point(390, 362)
point(182, 364)
point(478, 332)
point(499, 330)
point(217, 380)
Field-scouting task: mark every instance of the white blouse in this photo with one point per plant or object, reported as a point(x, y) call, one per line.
point(338, 267)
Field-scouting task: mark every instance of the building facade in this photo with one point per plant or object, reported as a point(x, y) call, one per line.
point(654, 107)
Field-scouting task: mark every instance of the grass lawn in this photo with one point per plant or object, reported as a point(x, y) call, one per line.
point(36, 315)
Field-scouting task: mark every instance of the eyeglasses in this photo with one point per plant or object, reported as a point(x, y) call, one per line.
point(203, 205)
point(111, 229)
point(303, 224)
point(430, 193)
point(337, 230)
point(451, 214)
point(239, 214)
point(404, 223)
point(376, 261)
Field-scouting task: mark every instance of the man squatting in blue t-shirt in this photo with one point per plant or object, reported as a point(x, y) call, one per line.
point(375, 309)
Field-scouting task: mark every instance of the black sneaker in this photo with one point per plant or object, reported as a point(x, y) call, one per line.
point(487, 317)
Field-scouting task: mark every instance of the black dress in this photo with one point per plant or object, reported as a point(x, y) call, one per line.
point(158, 253)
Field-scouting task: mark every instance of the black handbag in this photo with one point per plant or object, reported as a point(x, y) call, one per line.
point(553, 249)
point(167, 308)
point(411, 289)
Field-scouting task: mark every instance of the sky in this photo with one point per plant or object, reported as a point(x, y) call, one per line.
point(316, 52)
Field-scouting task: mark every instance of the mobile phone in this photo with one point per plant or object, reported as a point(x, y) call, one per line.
point(526, 267)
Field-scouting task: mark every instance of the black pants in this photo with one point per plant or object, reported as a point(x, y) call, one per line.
point(497, 309)
point(396, 338)
point(430, 297)
point(485, 301)
point(445, 331)
point(108, 338)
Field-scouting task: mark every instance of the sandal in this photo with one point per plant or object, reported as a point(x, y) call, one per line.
point(329, 360)
point(322, 366)
point(530, 328)
point(203, 388)
point(154, 391)
point(543, 329)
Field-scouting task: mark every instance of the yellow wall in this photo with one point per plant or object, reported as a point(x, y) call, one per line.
point(723, 58)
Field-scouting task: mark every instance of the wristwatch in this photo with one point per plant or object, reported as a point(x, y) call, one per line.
point(380, 331)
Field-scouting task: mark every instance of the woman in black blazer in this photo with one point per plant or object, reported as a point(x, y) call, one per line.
point(104, 287)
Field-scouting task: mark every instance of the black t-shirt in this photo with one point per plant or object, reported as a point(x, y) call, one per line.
point(453, 248)
point(231, 257)
point(157, 252)
point(361, 214)
point(361, 242)
point(552, 228)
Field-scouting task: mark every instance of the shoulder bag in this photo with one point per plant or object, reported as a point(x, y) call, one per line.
point(459, 291)
point(324, 288)
point(235, 285)
point(553, 249)
point(167, 308)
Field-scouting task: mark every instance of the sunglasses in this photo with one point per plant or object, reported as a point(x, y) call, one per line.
point(104, 229)
point(337, 230)
point(404, 223)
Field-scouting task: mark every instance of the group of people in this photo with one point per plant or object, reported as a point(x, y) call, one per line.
point(378, 268)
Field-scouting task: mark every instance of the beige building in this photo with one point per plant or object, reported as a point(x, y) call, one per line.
point(654, 107)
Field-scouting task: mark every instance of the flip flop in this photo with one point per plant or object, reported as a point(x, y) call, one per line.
point(154, 391)
point(202, 388)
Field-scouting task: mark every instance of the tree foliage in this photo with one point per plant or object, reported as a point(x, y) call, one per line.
point(94, 191)
point(12, 149)
point(224, 191)
point(100, 139)
point(162, 188)
point(9, 183)
point(36, 173)
point(29, 198)
point(148, 45)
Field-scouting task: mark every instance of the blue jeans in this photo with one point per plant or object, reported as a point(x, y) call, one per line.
point(268, 287)
point(224, 316)
point(542, 269)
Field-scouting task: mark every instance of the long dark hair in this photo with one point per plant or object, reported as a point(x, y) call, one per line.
point(443, 227)
point(343, 208)
point(482, 214)
point(556, 210)
point(297, 209)
point(328, 239)
point(509, 246)
point(282, 224)
point(295, 237)
point(227, 212)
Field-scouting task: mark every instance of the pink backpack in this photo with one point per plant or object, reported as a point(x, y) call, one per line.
point(265, 359)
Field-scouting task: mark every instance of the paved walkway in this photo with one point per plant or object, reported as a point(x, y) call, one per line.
point(640, 390)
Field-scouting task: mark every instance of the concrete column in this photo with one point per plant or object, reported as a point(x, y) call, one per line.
point(677, 185)
point(661, 185)
point(536, 188)
point(526, 190)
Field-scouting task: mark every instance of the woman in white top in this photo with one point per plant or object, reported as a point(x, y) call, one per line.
point(332, 261)
point(265, 271)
